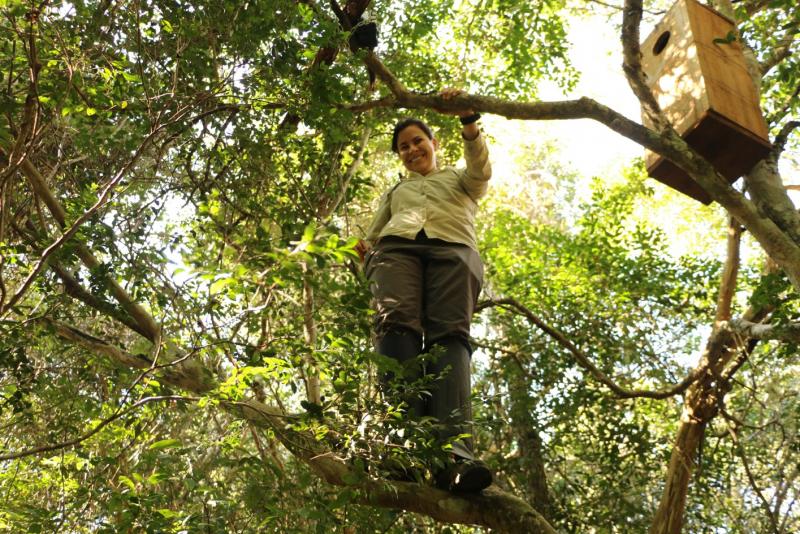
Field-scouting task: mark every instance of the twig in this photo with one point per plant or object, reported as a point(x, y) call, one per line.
point(69, 443)
point(387, 101)
point(620, 8)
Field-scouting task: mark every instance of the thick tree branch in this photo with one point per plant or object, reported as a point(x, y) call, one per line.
point(779, 332)
point(184, 372)
point(766, 188)
point(702, 403)
point(783, 135)
point(778, 245)
point(492, 508)
point(584, 360)
point(74, 289)
point(729, 272)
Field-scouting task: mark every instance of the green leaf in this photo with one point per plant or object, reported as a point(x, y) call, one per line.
point(728, 39)
point(128, 482)
point(169, 514)
point(164, 444)
point(220, 284)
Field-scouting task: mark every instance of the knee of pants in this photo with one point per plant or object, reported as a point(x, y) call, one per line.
point(399, 342)
point(446, 339)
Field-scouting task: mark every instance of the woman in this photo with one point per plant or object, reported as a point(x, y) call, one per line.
point(425, 273)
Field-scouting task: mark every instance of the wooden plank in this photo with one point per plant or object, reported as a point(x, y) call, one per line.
point(732, 92)
point(738, 108)
point(732, 150)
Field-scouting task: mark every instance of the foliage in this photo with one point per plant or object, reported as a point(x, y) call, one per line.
point(238, 180)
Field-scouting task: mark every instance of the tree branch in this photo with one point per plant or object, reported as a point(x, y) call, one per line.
point(97, 428)
point(743, 457)
point(30, 111)
point(182, 371)
point(780, 332)
point(387, 101)
point(493, 508)
point(778, 245)
point(74, 289)
point(620, 8)
point(584, 360)
point(701, 404)
point(632, 65)
point(782, 50)
point(730, 271)
point(786, 131)
point(146, 322)
point(331, 204)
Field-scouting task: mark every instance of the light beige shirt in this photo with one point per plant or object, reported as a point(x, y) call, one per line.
point(442, 203)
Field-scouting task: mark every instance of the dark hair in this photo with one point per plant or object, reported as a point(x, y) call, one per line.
point(405, 123)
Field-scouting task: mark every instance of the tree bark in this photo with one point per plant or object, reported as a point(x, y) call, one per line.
point(669, 517)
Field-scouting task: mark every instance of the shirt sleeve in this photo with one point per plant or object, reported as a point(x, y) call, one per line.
point(379, 220)
point(475, 178)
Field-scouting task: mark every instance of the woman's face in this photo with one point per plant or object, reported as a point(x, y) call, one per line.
point(416, 150)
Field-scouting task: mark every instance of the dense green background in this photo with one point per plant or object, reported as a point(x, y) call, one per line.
point(242, 181)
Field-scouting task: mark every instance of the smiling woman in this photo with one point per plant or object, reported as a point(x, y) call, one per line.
point(425, 274)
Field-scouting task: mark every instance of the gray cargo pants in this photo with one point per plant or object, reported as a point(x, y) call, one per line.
point(429, 287)
point(425, 285)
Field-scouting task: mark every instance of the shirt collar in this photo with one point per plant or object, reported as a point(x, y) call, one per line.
point(414, 174)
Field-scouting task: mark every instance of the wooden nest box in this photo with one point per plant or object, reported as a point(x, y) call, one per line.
point(699, 77)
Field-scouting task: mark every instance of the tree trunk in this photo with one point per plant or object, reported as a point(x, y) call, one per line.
point(669, 517)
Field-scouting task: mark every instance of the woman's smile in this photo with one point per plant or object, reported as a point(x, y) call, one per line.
point(417, 151)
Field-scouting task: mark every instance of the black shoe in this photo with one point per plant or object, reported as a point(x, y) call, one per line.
point(464, 476)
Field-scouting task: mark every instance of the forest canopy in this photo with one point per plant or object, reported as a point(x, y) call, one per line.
point(185, 329)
